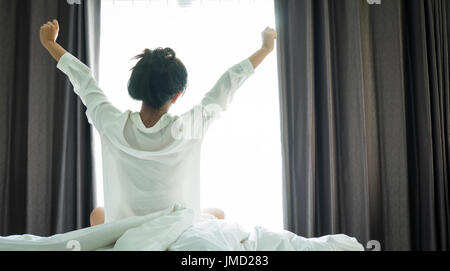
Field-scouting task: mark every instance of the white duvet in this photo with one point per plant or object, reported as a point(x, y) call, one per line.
point(173, 229)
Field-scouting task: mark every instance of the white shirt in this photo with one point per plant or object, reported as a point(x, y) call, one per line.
point(149, 169)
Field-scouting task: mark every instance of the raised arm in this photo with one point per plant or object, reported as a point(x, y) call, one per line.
point(221, 95)
point(48, 35)
point(99, 111)
point(268, 36)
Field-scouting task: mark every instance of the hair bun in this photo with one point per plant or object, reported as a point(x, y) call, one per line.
point(170, 53)
point(159, 54)
point(157, 77)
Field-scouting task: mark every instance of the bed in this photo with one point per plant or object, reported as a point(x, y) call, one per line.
point(172, 229)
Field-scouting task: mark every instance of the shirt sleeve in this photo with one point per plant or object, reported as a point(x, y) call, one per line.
point(99, 111)
point(217, 100)
point(223, 91)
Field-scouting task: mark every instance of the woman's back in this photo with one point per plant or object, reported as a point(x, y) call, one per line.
point(149, 169)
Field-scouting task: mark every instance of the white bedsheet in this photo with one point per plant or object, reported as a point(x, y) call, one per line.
point(173, 229)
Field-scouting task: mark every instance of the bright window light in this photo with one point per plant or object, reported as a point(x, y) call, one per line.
point(241, 156)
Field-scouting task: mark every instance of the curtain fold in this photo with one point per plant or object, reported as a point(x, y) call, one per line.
point(46, 172)
point(364, 98)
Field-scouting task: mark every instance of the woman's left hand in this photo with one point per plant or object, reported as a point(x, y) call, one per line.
point(49, 32)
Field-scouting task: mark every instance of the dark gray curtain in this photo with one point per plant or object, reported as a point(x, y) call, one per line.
point(46, 172)
point(364, 96)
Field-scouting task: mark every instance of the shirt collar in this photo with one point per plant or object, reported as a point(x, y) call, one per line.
point(163, 122)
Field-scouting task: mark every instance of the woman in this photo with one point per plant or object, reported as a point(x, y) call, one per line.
point(151, 159)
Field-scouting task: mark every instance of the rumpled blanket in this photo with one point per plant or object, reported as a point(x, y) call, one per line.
point(173, 229)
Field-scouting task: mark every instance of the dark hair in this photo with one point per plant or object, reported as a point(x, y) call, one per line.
point(157, 77)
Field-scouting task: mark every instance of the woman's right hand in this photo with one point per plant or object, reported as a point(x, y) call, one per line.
point(268, 36)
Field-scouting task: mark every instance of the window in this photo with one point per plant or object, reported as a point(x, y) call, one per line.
point(241, 156)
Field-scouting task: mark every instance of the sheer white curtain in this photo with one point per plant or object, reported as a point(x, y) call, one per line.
point(241, 159)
